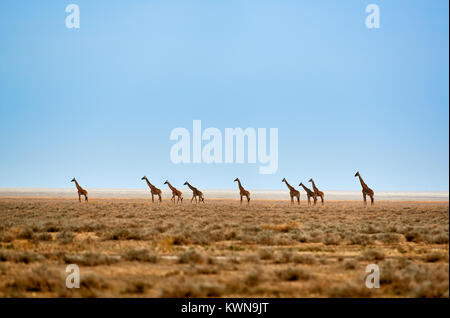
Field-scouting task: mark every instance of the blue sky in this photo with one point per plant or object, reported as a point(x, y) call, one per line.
point(99, 102)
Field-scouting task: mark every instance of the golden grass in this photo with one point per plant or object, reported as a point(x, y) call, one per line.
point(133, 248)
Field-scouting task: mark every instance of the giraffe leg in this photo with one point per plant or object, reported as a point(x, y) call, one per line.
point(159, 196)
point(371, 200)
point(241, 199)
point(364, 198)
point(321, 197)
point(79, 197)
point(153, 199)
point(292, 199)
point(85, 198)
point(192, 198)
point(298, 200)
point(248, 200)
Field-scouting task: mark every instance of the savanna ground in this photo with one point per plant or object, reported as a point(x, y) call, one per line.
point(133, 248)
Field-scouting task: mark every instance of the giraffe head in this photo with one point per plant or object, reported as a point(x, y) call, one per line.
point(237, 179)
point(284, 180)
point(73, 180)
point(143, 178)
point(310, 180)
point(301, 183)
point(186, 183)
point(167, 182)
point(357, 174)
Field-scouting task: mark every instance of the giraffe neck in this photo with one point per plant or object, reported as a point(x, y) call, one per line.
point(362, 181)
point(190, 187)
point(240, 186)
point(77, 185)
point(288, 185)
point(170, 186)
point(148, 183)
point(305, 188)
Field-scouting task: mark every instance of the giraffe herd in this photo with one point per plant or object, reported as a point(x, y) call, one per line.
point(177, 196)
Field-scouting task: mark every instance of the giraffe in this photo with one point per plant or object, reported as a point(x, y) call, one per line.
point(242, 191)
point(175, 193)
point(309, 193)
point(292, 192)
point(317, 192)
point(154, 190)
point(81, 191)
point(196, 193)
point(365, 189)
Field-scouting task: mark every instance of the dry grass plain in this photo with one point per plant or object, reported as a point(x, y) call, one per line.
point(133, 248)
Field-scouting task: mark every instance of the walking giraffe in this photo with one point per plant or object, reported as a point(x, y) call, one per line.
point(81, 191)
point(292, 192)
point(196, 193)
point(309, 194)
point(154, 190)
point(175, 193)
point(317, 192)
point(242, 191)
point(365, 190)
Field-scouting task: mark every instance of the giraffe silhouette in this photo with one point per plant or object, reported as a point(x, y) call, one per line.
point(292, 192)
point(242, 191)
point(175, 193)
point(196, 193)
point(317, 192)
point(309, 193)
point(154, 190)
point(81, 191)
point(365, 189)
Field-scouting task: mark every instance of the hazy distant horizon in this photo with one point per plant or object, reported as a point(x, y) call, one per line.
point(269, 194)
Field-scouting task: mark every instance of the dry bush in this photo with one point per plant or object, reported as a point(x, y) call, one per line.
point(372, 255)
point(281, 227)
point(265, 254)
point(90, 259)
point(6, 238)
point(192, 257)
point(294, 273)
point(26, 234)
point(191, 290)
point(389, 238)
point(20, 257)
point(350, 264)
point(65, 237)
point(349, 290)
point(125, 234)
point(434, 256)
point(361, 239)
point(304, 259)
point(42, 237)
point(38, 279)
point(136, 287)
point(331, 239)
point(140, 255)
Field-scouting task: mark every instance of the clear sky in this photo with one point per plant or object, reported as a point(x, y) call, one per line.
point(99, 103)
